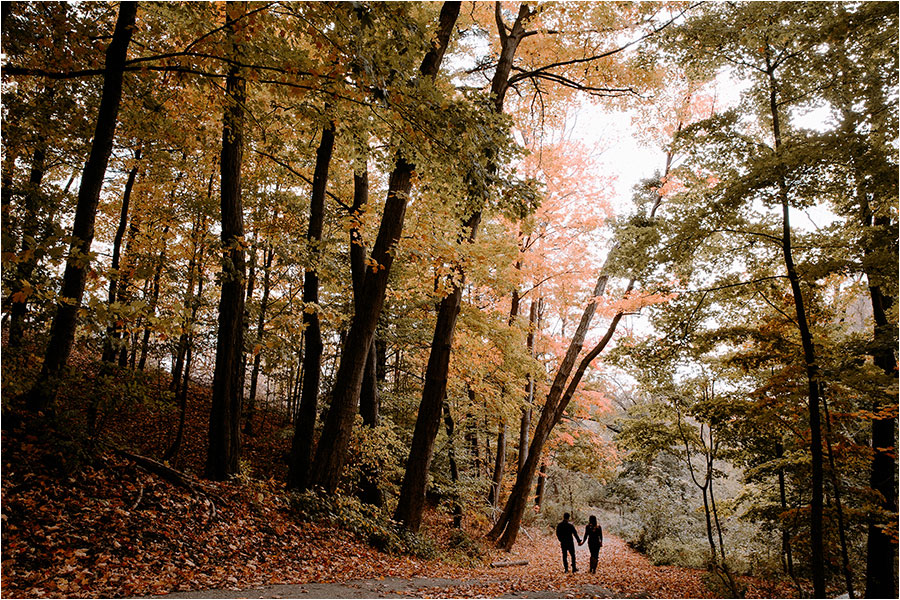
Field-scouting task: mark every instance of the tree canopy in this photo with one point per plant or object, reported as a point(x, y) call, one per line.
point(398, 227)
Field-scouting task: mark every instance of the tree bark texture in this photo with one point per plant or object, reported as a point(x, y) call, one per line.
point(62, 332)
point(223, 458)
point(369, 405)
point(302, 445)
point(411, 502)
point(330, 456)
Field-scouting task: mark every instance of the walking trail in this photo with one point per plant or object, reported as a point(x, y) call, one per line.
point(622, 573)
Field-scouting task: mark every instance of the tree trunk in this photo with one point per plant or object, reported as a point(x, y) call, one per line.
point(525, 423)
point(369, 403)
point(499, 466)
point(173, 451)
point(786, 552)
point(330, 455)
point(881, 551)
point(154, 298)
point(302, 446)
point(223, 458)
point(836, 490)
point(114, 331)
point(507, 526)
point(194, 268)
point(411, 502)
point(368, 397)
point(454, 467)
point(62, 332)
point(539, 489)
point(816, 529)
point(28, 260)
point(260, 328)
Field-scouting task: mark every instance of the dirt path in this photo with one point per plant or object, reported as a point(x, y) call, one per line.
point(622, 573)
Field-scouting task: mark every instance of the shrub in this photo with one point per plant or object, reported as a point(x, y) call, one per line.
point(368, 522)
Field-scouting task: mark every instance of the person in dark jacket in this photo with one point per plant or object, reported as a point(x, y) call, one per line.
point(565, 531)
point(593, 535)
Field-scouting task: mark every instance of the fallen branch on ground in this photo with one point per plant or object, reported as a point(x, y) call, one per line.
point(509, 563)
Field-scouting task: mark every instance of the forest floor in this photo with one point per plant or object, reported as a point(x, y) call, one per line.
point(94, 522)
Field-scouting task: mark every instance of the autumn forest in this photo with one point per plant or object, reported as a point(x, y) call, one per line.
point(307, 292)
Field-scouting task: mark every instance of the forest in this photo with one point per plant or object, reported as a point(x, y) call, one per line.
point(413, 279)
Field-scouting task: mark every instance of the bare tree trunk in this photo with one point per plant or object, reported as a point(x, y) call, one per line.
point(454, 467)
point(154, 297)
point(260, 328)
point(525, 424)
point(302, 446)
point(330, 455)
point(499, 466)
point(62, 332)
point(175, 448)
point(25, 266)
point(816, 527)
point(836, 490)
point(411, 502)
point(539, 489)
point(224, 453)
point(197, 250)
point(114, 332)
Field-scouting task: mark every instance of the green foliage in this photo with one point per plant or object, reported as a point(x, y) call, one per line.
point(370, 523)
point(374, 451)
point(464, 549)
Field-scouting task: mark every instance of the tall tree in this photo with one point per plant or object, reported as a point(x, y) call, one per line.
point(62, 336)
point(332, 448)
point(302, 446)
point(411, 503)
point(224, 452)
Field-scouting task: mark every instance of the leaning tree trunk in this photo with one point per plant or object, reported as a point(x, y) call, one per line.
point(332, 449)
point(507, 527)
point(411, 503)
point(302, 446)
point(224, 453)
point(62, 332)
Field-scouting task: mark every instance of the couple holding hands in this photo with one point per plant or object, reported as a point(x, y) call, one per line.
point(593, 535)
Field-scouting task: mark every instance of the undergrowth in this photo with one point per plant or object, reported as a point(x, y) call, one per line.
point(367, 521)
